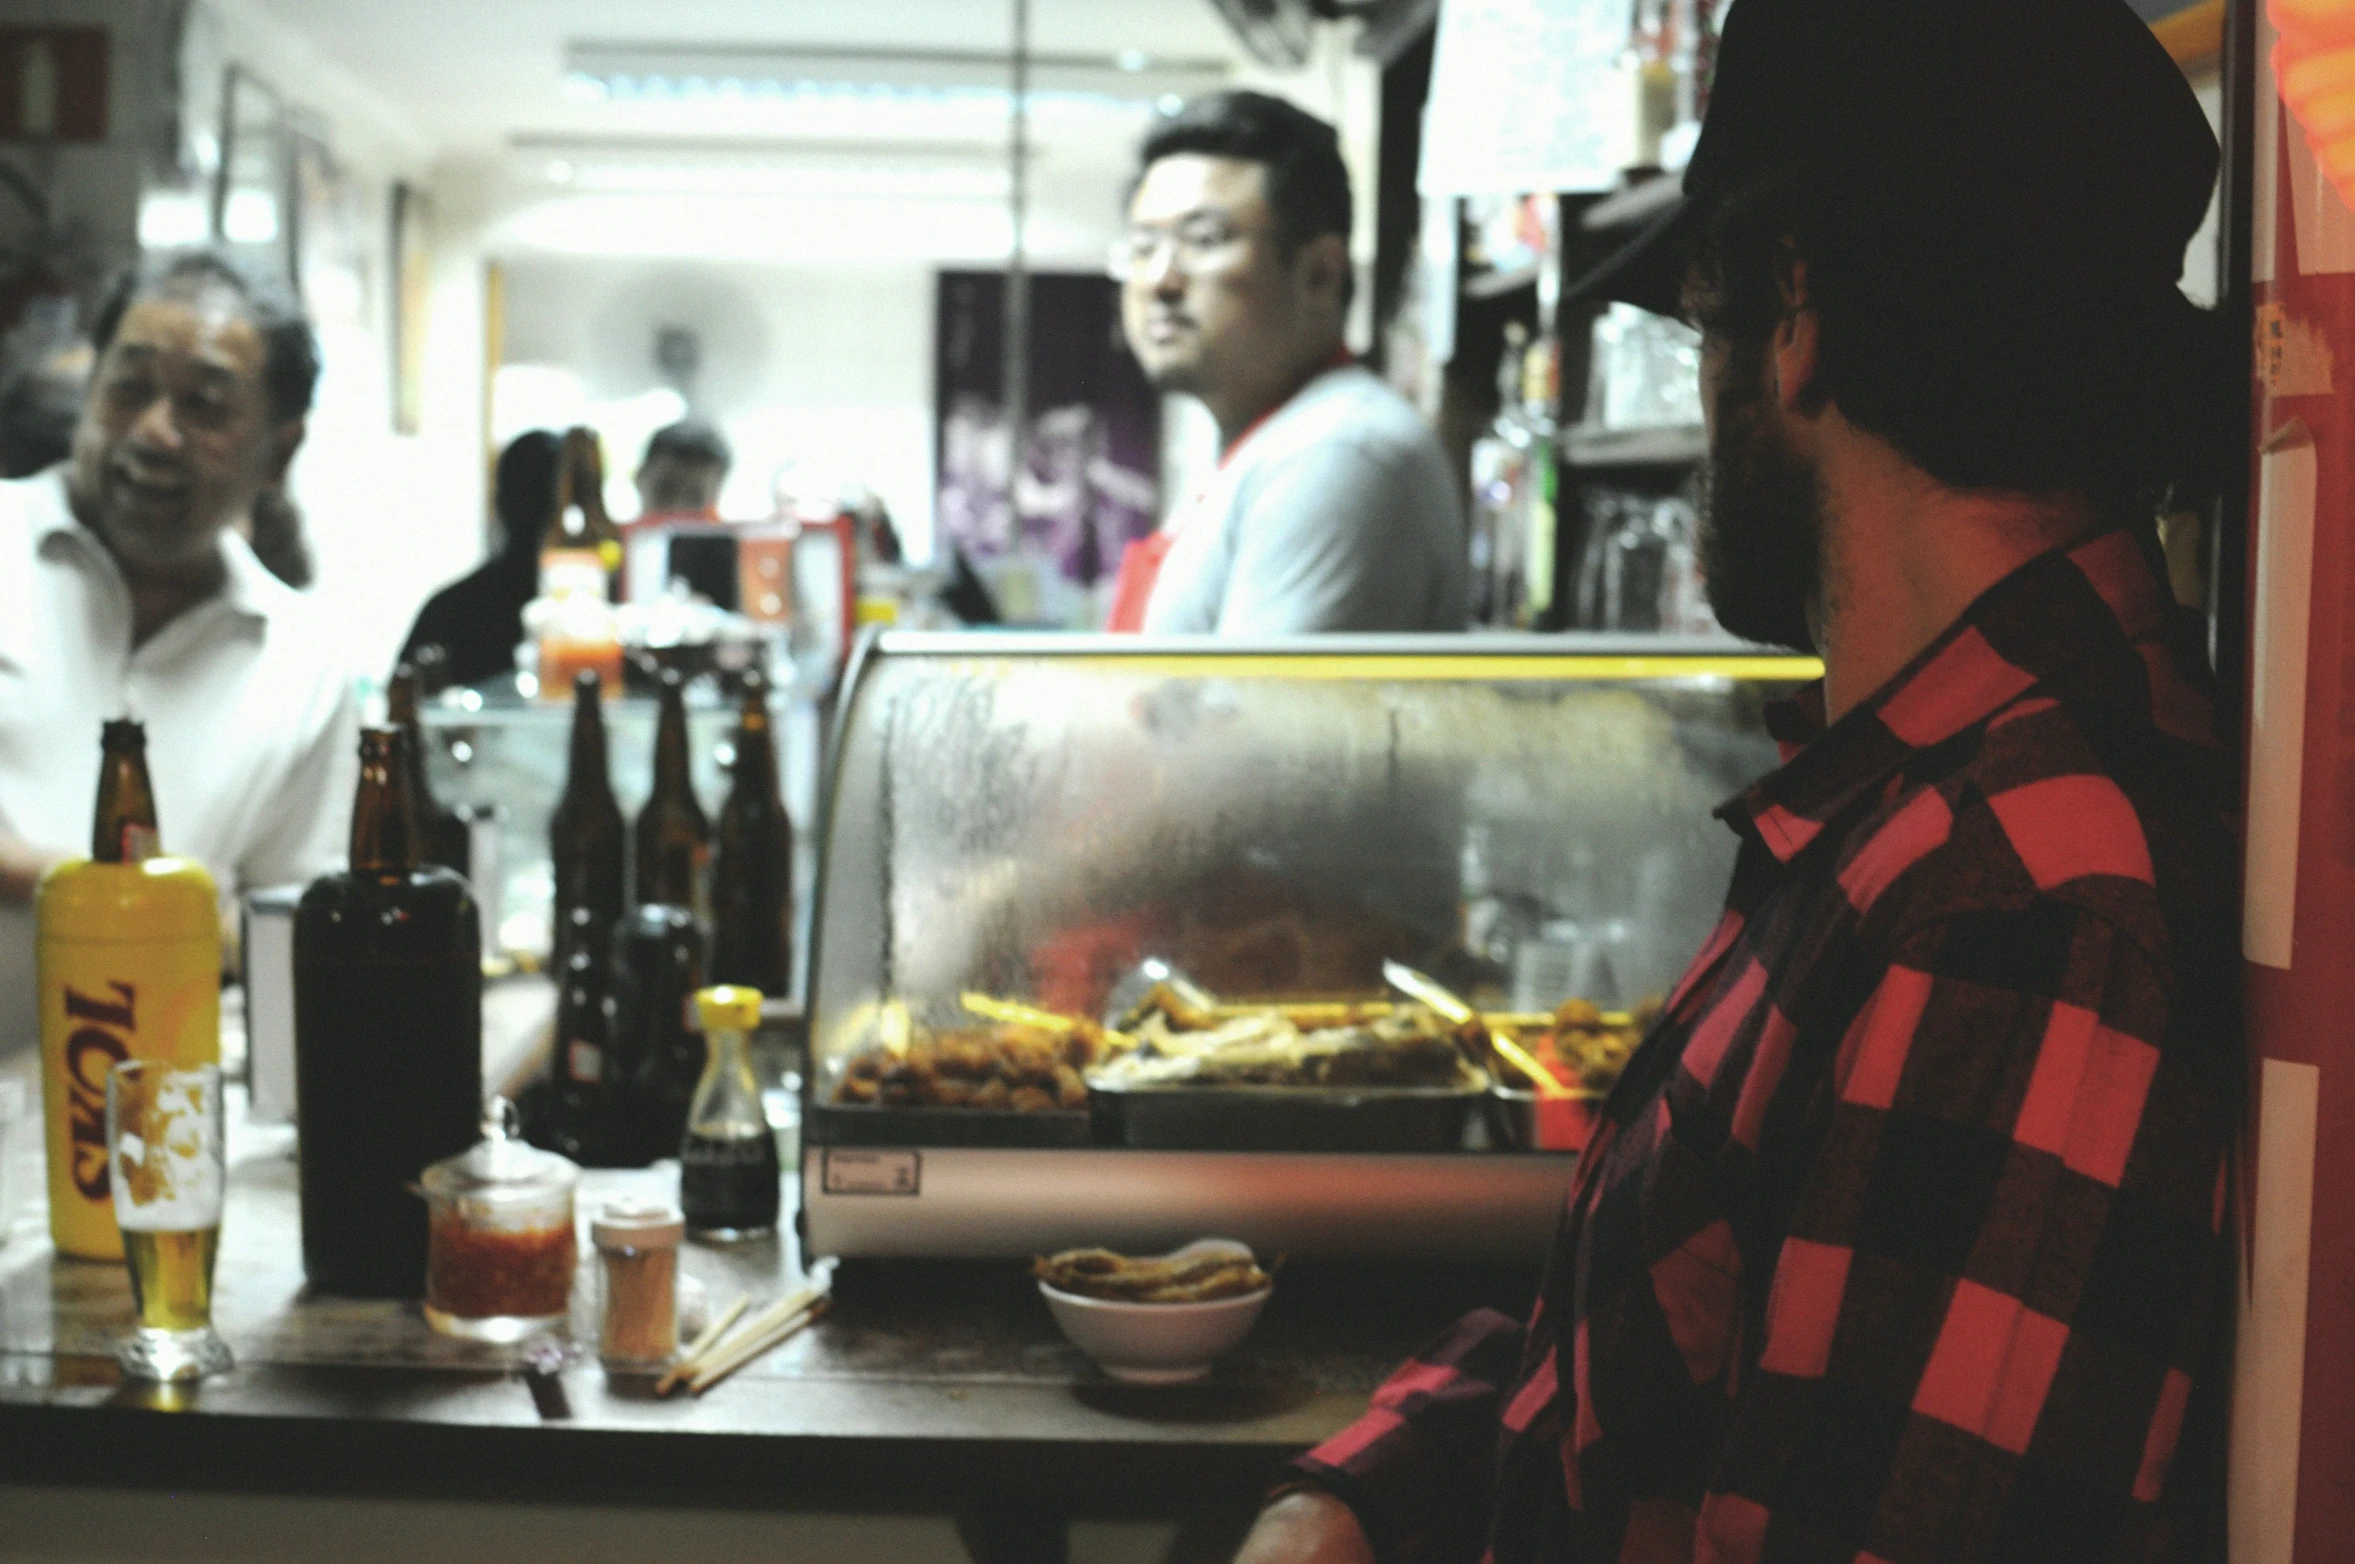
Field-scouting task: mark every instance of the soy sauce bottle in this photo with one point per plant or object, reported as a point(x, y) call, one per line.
point(387, 1038)
point(728, 1175)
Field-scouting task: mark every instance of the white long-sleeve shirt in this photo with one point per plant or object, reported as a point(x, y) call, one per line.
point(252, 718)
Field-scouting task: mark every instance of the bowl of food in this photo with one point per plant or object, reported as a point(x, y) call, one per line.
point(1158, 1320)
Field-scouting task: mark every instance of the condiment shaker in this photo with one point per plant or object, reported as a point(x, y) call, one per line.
point(638, 1250)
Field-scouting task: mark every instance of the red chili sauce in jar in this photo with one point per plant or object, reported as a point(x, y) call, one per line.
point(476, 1273)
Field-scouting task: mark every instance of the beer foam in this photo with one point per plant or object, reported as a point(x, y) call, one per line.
point(172, 1184)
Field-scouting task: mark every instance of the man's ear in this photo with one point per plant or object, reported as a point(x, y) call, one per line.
point(1792, 353)
point(285, 440)
point(1321, 266)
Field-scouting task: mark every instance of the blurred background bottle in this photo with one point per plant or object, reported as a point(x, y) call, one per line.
point(584, 1120)
point(752, 871)
point(442, 836)
point(585, 833)
point(657, 1042)
point(672, 844)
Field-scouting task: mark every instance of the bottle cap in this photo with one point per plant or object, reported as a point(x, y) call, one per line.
point(637, 1224)
point(728, 1008)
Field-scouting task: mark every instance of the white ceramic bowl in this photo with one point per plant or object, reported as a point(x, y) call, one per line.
point(1159, 1343)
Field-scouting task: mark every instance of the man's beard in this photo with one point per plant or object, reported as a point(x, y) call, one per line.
point(1761, 516)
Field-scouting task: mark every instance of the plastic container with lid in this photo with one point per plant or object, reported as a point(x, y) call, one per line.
point(638, 1245)
point(500, 1251)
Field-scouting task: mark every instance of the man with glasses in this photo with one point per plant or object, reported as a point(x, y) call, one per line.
point(1332, 507)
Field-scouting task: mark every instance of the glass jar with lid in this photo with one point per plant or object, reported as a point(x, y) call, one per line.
point(501, 1250)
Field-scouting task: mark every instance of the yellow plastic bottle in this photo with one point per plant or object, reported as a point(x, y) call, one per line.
point(129, 964)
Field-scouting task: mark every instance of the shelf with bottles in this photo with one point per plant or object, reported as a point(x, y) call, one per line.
point(500, 759)
point(1678, 445)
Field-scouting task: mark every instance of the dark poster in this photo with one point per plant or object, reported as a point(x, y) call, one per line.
point(1090, 476)
point(52, 84)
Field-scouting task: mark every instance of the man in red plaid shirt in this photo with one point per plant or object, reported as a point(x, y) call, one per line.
point(1900, 1239)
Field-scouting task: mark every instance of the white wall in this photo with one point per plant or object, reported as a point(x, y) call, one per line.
point(827, 367)
point(390, 516)
point(93, 187)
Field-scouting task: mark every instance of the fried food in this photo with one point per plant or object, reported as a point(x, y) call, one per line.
point(1004, 1067)
point(1582, 1044)
point(1099, 1273)
point(1409, 1047)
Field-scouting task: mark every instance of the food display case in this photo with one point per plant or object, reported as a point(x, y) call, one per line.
point(1105, 929)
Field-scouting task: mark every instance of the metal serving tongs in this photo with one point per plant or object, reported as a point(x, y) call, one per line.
point(1427, 989)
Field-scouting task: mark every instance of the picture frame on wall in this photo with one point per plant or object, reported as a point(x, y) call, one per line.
point(411, 291)
point(253, 186)
point(332, 270)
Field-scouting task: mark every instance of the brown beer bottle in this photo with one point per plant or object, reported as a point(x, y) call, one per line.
point(752, 871)
point(584, 1110)
point(124, 830)
point(388, 1038)
point(673, 843)
point(577, 523)
point(442, 836)
point(585, 833)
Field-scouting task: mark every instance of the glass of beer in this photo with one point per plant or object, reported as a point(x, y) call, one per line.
point(164, 1149)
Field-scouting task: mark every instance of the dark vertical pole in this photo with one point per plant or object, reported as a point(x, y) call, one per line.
point(1017, 349)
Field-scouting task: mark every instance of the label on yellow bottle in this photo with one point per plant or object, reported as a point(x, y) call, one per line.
point(130, 968)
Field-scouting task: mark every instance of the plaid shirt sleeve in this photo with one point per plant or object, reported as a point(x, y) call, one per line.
point(1416, 1468)
point(1980, 1332)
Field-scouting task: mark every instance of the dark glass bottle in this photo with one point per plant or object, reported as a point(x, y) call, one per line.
point(388, 1039)
point(577, 521)
point(583, 1117)
point(124, 829)
point(585, 833)
point(752, 872)
point(673, 839)
point(442, 836)
point(657, 1046)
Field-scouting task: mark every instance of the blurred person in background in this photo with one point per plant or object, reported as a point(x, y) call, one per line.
point(681, 473)
point(1333, 507)
point(126, 588)
point(477, 620)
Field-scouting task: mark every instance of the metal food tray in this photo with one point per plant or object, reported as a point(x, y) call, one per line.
point(1284, 1118)
point(875, 1124)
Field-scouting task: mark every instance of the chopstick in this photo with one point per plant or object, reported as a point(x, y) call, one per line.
point(750, 1345)
point(1547, 1083)
point(712, 1348)
point(702, 1344)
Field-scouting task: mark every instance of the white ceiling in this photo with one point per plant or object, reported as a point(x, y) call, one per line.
point(472, 75)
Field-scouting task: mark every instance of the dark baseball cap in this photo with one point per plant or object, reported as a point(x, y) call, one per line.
point(2051, 136)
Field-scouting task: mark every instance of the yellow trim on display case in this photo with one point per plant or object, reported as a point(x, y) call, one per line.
point(1570, 667)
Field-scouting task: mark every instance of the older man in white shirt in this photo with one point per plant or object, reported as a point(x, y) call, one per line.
point(126, 590)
